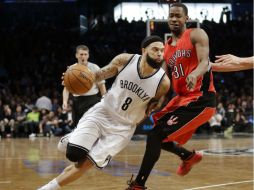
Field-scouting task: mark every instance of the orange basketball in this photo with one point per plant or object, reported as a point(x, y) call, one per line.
point(78, 79)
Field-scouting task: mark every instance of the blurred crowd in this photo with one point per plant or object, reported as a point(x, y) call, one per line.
point(38, 45)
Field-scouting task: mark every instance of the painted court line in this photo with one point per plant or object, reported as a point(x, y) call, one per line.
point(1, 182)
point(218, 185)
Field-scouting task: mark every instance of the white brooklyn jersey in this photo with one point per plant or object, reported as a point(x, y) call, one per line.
point(130, 93)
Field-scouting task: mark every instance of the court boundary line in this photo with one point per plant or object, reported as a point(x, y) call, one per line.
point(218, 185)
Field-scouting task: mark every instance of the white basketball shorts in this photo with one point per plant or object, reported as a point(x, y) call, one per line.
point(101, 134)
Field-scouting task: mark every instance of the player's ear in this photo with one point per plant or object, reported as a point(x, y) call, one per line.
point(187, 18)
point(143, 50)
point(76, 55)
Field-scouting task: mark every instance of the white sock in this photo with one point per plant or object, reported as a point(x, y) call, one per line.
point(52, 185)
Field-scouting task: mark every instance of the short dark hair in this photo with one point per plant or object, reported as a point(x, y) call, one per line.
point(150, 39)
point(185, 9)
point(82, 47)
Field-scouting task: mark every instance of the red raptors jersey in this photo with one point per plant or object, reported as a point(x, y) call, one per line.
point(182, 60)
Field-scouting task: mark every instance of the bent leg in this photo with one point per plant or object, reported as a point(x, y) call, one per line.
point(176, 149)
point(73, 172)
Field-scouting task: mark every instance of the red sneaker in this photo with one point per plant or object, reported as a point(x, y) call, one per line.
point(187, 164)
point(134, 186)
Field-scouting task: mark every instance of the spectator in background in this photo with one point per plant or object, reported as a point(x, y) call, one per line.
point(19, 117)
point(230, 120)
point(8, 122)
point(221, 110)
point(32, 121)
point(63, 122)
point(1, 119)
point(44, 103)
point(215, 122)
point(42, 124)
point(241, 122)
point(52, 124)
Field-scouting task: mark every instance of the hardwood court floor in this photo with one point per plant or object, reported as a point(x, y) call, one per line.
point(228, 165)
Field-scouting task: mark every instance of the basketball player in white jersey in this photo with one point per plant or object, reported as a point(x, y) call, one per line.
point(81, 103)
point(107, 127)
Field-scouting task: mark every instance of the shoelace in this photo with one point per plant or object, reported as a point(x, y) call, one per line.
point(130, 181)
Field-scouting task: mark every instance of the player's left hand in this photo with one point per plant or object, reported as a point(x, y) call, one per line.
point(191, 81)
point(151, 107)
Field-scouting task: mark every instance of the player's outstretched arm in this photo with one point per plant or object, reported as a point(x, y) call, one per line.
point(228, 63)
point(113, 67)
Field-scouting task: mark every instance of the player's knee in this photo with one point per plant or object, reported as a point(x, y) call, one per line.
point(75, 154)
point(62, 144)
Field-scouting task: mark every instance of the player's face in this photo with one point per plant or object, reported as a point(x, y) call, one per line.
point(82, 56)
point(154, 56)
point(177, 20)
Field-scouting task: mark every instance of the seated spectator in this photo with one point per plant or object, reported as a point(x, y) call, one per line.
point(63, 121)
point(42, 124)
point(241, 122)
point(20, 117)
point(215, 122)
point(32, 121)
point(8, 122)
point(52, 124)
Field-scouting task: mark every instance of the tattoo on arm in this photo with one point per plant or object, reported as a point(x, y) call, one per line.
point(112, 68)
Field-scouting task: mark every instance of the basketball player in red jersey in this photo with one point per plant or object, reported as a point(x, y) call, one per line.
point(186, 55)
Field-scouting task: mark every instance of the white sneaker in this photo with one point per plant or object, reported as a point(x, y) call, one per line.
point(32, 135)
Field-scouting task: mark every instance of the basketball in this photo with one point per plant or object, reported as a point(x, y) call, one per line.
point(78, 79)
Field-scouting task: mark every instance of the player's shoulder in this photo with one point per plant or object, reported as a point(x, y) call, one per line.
point(90, 64)
point(72, 65)
point(198, 34)
point(126, 56)
point(195, 32)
